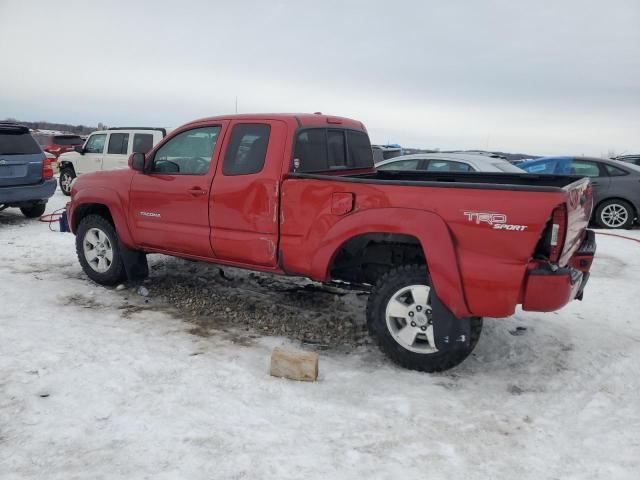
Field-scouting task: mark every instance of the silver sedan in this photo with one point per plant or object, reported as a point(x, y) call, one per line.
point(448, 162)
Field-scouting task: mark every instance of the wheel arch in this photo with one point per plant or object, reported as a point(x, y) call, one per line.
point(104, 202)
point(68, 164)
point(428, 229)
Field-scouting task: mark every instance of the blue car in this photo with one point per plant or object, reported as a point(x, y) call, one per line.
point(26, 176)
point(616, 185)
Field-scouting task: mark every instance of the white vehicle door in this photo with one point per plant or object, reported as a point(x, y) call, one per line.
point(117, 151)
point(91, 161)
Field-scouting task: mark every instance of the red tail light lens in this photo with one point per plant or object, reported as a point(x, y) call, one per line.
point(558, 232)
point(47, 169)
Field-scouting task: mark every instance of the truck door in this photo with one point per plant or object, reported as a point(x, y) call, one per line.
point(245, 195)
point(169, 205)
point(117, 148)
point(91, 161)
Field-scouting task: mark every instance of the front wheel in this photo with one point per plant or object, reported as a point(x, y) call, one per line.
point(66, 179)
point(98, 250)
point(615, 213)
point(399, 315)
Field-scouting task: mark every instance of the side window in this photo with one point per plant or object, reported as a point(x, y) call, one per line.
point(188, 153)
point(448, 166)
point(95, 144)
point(401, 165)
point(584, 168)
point(614, 171)
point(360, 153)
point(142, 142)
point(336, 149)
point(311, 150)
point(118, 143)
point(247, 149)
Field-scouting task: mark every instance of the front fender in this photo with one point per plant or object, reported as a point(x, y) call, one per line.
point(110, 199)
point(429, 228)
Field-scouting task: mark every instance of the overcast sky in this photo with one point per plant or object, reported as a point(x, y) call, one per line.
point(544, 77)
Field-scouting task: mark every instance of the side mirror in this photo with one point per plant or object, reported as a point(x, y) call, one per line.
point(136, 161)
point(79, 149)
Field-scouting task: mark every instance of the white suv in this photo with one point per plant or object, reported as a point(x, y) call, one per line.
point(106, 150)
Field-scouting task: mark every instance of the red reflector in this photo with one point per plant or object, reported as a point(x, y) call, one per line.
point(558, 232)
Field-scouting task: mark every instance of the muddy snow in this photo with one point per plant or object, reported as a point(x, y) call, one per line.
point(107, 383)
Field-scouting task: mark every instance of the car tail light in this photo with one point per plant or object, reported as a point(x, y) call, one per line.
point(47, 169)
point(558, 232)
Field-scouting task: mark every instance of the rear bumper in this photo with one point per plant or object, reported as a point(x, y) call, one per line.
point(28, 193)
point(549, 289)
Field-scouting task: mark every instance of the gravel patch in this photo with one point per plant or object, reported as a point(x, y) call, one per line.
point(252, 303)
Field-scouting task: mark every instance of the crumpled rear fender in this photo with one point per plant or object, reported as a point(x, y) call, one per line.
point(429, 228)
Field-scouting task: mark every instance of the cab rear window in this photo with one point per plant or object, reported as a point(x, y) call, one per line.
point(326, 149)
point(18, 143)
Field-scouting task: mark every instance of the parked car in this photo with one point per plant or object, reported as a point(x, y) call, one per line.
point(384, 152)
point(616, 185)
point(449, 162)
point(26, 176)
point(299, 195)
point(57, 143)
point(106, 150)
point(634, 159)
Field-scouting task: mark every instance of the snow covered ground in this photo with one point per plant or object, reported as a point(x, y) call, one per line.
point(96, 383)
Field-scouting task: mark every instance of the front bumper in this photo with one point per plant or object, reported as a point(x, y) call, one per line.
point(28, 193)
point(548, 288)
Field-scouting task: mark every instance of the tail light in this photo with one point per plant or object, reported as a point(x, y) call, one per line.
point(47, 169)
point(558, 232)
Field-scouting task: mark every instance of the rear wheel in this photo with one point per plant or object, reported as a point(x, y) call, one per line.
point(66, 178)
point(399, 315)
point(98, 251)
point(615, 213)
point(34, 211)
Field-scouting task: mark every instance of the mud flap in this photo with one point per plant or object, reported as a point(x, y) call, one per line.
point(450, 333)
point(135, 263)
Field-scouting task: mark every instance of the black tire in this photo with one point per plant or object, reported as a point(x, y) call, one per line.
point(115, 272)
point(66, 173)
point(34, 211)
point(385, 288)
point(606, 209)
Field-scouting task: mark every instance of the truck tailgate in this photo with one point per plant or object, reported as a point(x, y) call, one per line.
point(579, 204)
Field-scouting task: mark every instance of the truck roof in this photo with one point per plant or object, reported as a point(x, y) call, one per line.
point(302, 119)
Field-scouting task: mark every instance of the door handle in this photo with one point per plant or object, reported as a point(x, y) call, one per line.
point(197, 191)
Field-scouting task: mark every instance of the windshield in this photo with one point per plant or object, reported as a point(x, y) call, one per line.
point(18, 143)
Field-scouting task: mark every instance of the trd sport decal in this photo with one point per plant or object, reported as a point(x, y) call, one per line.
point(497, 221)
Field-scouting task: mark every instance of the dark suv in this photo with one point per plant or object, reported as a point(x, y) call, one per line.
point(26, 175)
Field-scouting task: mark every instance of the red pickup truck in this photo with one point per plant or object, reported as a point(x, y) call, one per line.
point(299, 195)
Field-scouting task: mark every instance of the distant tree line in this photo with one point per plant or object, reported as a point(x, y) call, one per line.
point(61, 127)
